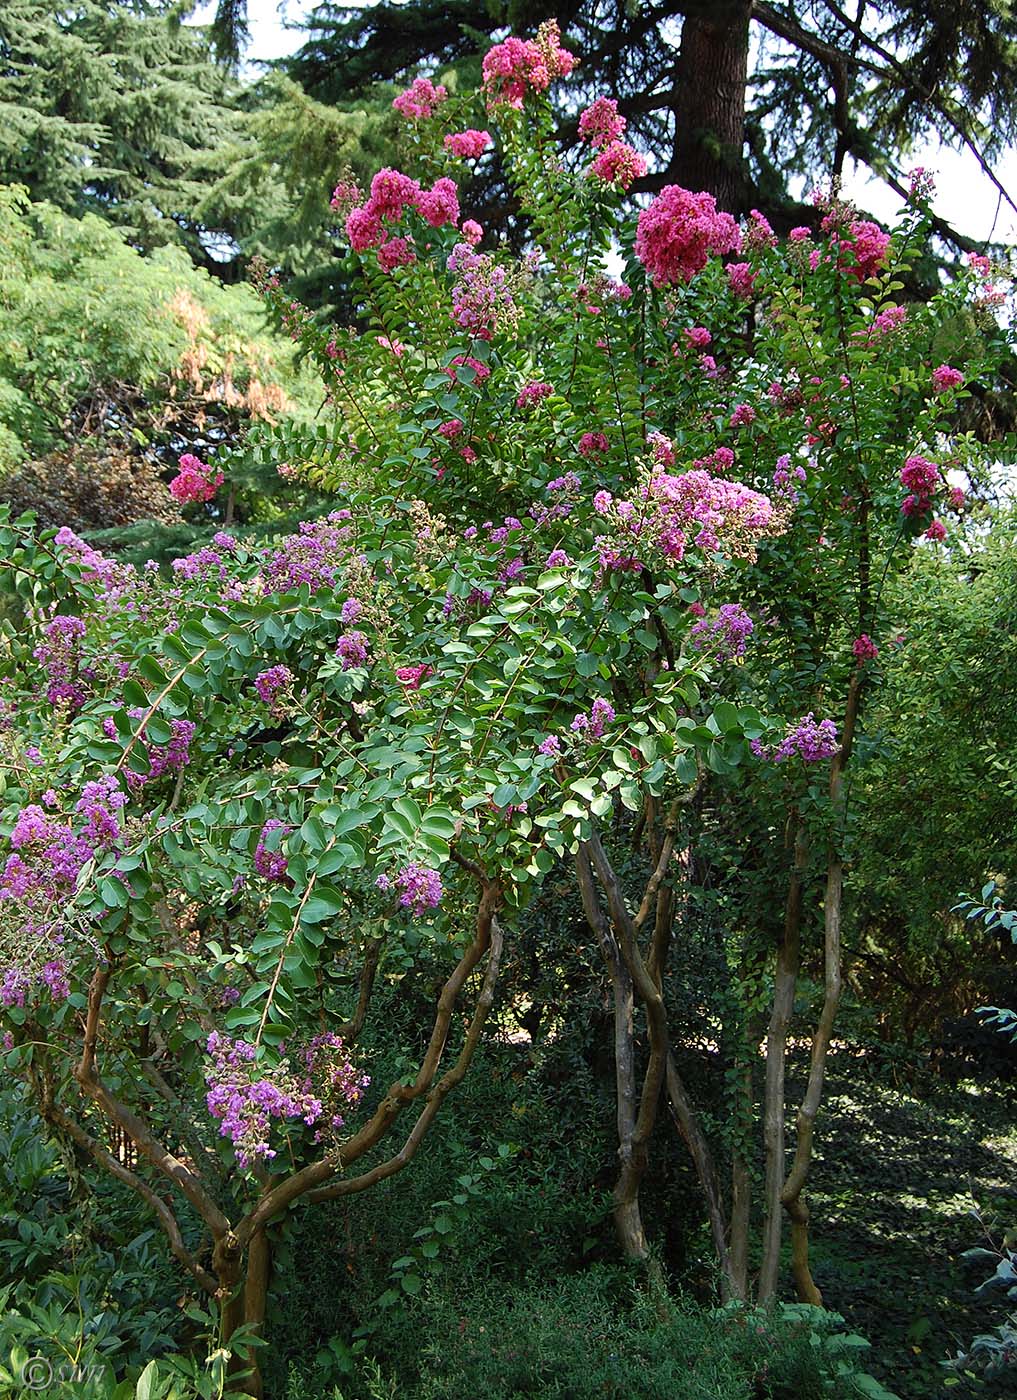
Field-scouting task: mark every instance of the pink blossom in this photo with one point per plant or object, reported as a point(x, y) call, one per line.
point(468, 145)
point(743, 415)
point(472, 232)
point(440, 205)
point(864, 648)
point(413, 677)
point(592, 443)
point(678, 231)
point(936, 531)
point(600, 124)
point(759, 233)
point(197, 481)
point(919, 475)
point(868, 244)
point(697, 337)
point(396, 252)
point(946, 377)
point(741, 279)
point(420, 100)
point(363, 229)
point(618, 164)
point(533, 393)
point(518, 66)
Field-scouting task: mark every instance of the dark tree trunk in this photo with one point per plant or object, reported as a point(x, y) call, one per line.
point(710, 79)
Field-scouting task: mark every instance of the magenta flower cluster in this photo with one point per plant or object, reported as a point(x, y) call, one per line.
point(195, 481)
point(519, 66)
point(420, 100)
point(469, 144)
point(678, 231)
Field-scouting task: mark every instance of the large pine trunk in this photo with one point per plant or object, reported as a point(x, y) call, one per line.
point(710, 80)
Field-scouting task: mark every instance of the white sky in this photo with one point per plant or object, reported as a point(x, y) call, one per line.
point(965, 197)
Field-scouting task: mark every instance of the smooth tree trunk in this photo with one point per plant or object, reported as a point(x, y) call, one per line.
point(785, 982)
point(710, 79)
point(792, 1195)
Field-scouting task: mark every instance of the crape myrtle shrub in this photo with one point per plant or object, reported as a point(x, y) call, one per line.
point(243, 792)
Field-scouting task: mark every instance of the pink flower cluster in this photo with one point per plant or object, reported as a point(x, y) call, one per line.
point(678, 231)
point(590, 444)
point(419, 888)
point(197, 481)
point(600, 124)
point(867, 244)
point(392, 193)
point(920, 477)
point(518, 66)
point(420, 100)
point(945, 377)
point(864, 648)
point(618, 164)
point(413, 677)
point(469, 144)
point(533, 393)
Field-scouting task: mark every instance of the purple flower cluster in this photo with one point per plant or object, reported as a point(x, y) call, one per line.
point(60, 655)
point(245, 1101)
point(419, 887)
point(674, 512)
point(811, 739)
point(272, 684)
point(271, 863)
point(164, 758)
point(593, 725)
point(334, 1076)
point(727, 635)
point(99, 804)
point(352, 650)
point(313, 556)
point(482, 300)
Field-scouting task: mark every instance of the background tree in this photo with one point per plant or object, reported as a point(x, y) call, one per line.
point(742, 99)
point(118, 109)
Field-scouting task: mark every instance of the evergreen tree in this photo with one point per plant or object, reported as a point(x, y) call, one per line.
point(116, 108)
point(738, 97)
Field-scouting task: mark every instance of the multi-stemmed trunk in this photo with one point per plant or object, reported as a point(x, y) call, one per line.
point(236, 1275)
